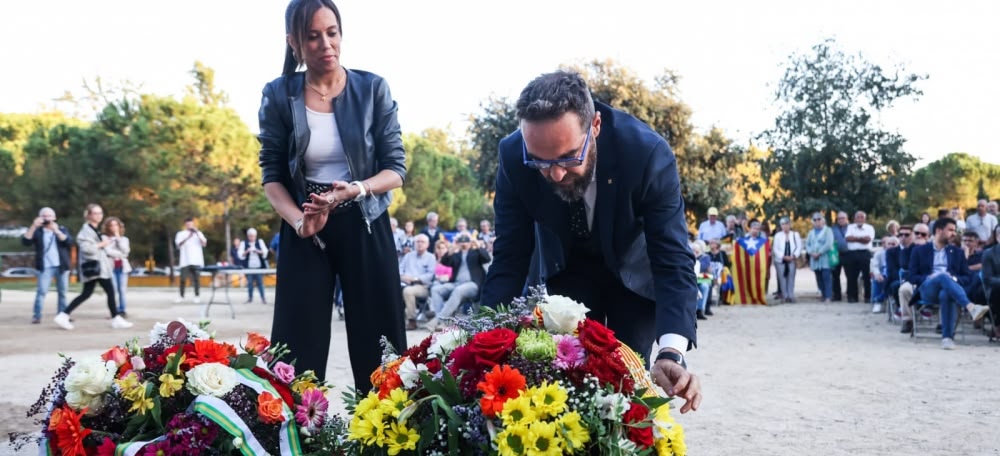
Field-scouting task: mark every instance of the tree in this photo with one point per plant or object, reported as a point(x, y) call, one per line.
point(955, 180)
point(829, 150)
point(497, 120)
point(437, 180)
point(750, 190)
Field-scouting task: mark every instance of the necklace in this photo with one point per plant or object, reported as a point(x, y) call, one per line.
point(322, 95)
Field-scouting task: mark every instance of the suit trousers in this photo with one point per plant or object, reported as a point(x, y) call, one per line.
point(369, 275)
point(857, 264)
point(630, 316)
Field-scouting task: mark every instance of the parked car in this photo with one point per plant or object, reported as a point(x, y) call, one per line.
point(18, 272)
point(143, 272)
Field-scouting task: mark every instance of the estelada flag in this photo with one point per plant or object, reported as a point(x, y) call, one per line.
point(727, 290)
point(750, 266)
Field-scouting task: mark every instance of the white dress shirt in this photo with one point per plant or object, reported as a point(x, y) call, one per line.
point(860, 231)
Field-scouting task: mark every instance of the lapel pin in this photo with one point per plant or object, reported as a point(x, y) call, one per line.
point(609, 181)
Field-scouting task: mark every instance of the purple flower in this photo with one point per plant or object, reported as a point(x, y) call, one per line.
point(569, 352)
point(311, 413)
point(284, 372)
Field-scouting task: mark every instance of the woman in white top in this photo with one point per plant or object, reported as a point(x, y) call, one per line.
point(118, 251)
point(787, 248)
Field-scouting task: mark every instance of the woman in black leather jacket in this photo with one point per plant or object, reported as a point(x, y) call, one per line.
point(991, 277)
point(331, 152)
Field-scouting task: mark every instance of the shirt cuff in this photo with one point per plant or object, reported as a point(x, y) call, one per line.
point(674, 341)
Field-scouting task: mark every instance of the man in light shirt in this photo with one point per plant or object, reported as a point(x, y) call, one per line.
point(712, 228)
point(982, 222)
point(190, 243)
point(416, 272)
point(857, 261)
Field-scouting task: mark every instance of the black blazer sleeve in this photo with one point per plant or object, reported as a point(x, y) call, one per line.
point(275, 131)
point(389, 153)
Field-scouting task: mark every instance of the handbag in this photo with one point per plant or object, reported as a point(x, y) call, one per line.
point(90, 269)
point(834, 255)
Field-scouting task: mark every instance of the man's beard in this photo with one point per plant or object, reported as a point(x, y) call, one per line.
point(575, 190)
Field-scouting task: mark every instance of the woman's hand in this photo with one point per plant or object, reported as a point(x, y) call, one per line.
point(320, 203)
point(312, 224)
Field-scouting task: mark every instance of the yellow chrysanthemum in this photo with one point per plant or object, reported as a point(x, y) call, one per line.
point(170, 385)
point(398, 438)
point(549, 400)
point(669, 435)
point(397, 400)
point(517, 410)
point(543, 440)
point(369, 402)
point(368, 428)
point(511, 441)
point(573, 431)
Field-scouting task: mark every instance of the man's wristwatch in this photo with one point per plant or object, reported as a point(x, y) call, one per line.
point(673, 356)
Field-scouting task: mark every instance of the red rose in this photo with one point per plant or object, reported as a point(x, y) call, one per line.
point(597, 338)
point(610, 371)
point(492, 347)
point(642, 436)
point(461, 358)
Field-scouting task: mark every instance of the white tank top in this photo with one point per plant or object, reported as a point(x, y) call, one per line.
point(324, 158)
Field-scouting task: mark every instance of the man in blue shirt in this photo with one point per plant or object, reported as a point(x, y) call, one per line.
point(416, 272)
point(52, 242)
point(712, 228)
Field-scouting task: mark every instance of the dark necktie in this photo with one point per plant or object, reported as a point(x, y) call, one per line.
point(578, 220)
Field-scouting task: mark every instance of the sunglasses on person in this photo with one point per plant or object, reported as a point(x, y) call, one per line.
point(570, 162)
point(919, 234)
point(816, 219)
point(907, 234)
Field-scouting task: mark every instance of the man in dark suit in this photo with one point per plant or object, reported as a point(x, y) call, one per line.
point(467, 274)
point(588, 203)
point(52, 242)
point(939, 271)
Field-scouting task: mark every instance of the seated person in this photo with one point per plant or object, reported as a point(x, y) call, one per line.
point(879, 269)
point(939, 271)
point(921, 233)
point(467, 274)
point(974, 257)
point(991, 277)
point(416, 272)
point(702, 271)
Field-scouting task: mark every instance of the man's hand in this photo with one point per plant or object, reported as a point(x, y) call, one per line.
point(38, 222)
point(406, 279)
point(677, 381)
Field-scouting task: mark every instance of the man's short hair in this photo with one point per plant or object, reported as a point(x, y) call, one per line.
point(942, 222)
point(189, 219)
point(422, 236)
point(551, 95)
point(42, 211)
point(432, 215)
point(251, 231)
point(944, 213)
point(970, 234)
point(906, 227)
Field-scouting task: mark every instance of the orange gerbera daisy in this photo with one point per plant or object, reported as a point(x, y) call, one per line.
point(209, 351)
point(383, 372)
point(499, 385)
point(67, 431)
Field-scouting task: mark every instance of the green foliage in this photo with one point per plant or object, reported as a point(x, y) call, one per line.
point(828, 146)
point(497, 120)
point(437, 180)
point(956, 180)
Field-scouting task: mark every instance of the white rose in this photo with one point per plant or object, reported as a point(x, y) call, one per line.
point(409, 373)
point(79, 400)
point(445, 342)
point(612, 406)
point(91, 376)
point(561, 314)
point(211, 379)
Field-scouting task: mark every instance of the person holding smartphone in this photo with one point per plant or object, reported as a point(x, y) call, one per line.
point(52, 242)
point(190, 243)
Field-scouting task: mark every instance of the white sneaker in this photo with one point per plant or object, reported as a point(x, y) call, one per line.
point(179, 300)
point(947, 344)
point(62, 319)
point(196, 300)
point(978, 312)
point(120, 323)
point(877, 308)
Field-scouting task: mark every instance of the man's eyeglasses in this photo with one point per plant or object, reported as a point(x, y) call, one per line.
point(904, 234)
point(919, 234)
point(570, 162)
point(817, 219)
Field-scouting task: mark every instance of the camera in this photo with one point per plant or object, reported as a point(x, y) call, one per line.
point(464, 238)
point(46, 222)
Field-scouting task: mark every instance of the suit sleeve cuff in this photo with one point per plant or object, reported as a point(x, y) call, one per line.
point(674, 341)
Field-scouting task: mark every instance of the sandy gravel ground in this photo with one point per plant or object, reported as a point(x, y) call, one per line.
point(792, 379)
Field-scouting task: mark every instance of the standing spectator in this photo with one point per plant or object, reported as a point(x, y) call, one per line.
point(892, 228)
point(466, 279)
point(703, 274)
point(118, 251)
point(234, 253)
point(416, 272)
point(956, 213)
point(992, 208)
point(711, 228)
point(819, 242)
point(461, 225)
point(839, 233)
point(859, 236)
point(95, 269)
point(333, 192)
point(733, 230)
point(253, 254)
point(786, 250)
point(719, 260)
point(409, 236)
point(398, 236)
point(52, 242)
point(938, 270)
point(982, 222)
point(190, 243)
point(431, 230)
point(925, 218)
point(486, 234)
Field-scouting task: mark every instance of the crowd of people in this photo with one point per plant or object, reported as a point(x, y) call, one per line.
point(947, 265)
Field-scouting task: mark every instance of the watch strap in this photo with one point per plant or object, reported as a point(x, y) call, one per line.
point(673, 356)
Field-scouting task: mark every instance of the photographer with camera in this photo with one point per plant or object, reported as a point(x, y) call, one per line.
point(466, 260)
point(52, 242)
point(190, 242)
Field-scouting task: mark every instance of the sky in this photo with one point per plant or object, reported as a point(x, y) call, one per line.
point(443, 58)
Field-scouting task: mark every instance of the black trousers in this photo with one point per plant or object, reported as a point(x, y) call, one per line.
point(857, 265)
point(88, 289)
point(835, 276)
point(304, 297)
point(995, 302)
point(194, 272)
point(630, 316)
